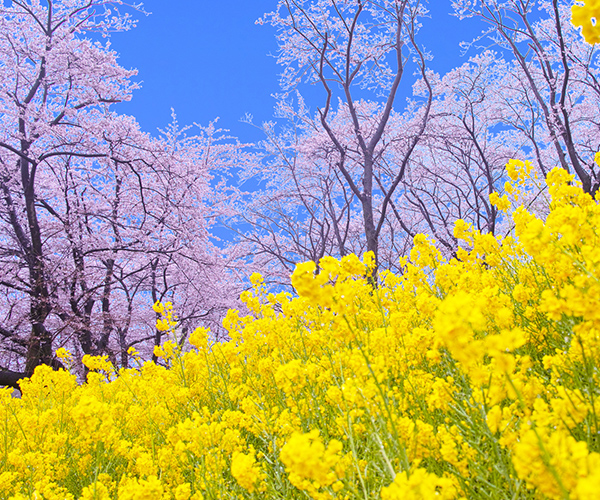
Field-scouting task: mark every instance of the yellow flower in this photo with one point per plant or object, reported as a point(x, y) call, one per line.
point(256, 279)
point(352, 265)
point(140, 489)
point(551, 463)
point(133, 352)
point(162, 325)
point(96, 491)
point(420, 485)
point(463, 230)
point(199, 337)
point(167, 350)
point(369, 260)
point(589, 482)
point(63, 354)
point(246, 471)
point(501, 203)
point(512, 169)
point(309, 463)
point(587, 14)
point(98, 363)
point(494, 418)
point(303, 280)
point(184, 492)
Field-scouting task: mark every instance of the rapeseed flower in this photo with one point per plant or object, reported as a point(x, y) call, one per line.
point(587, 15)
point(473, 377)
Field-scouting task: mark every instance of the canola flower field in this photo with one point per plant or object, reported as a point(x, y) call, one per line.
point(475, 377)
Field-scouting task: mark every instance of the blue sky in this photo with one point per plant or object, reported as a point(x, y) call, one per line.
point(208, 59)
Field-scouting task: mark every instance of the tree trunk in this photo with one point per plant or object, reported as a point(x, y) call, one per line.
point(40, 343)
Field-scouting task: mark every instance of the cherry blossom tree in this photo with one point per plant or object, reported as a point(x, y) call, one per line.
point(303, 209)
point(557, 72)
point(146, 239)
point(349, 48)
point(461, 159)
point(56, 87)
point(98, 219)
point(535, 97)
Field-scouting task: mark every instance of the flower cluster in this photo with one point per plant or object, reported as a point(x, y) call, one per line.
point(587, 14)
point(474, 377)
